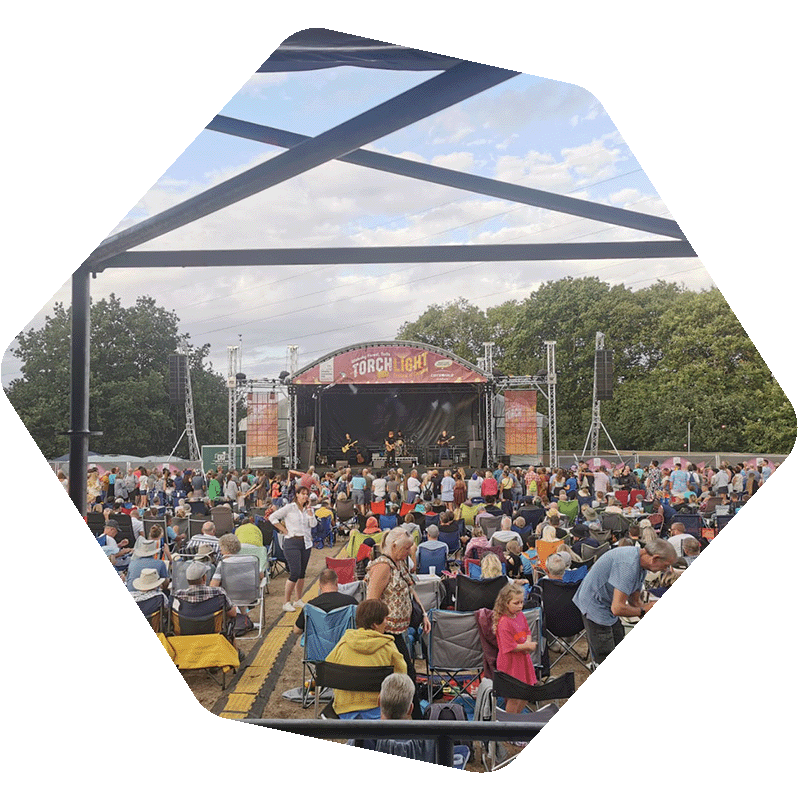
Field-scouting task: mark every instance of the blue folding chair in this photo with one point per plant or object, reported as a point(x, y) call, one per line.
point(387, 521)
point(427, 558)
point(323, 533)
point(322, 633)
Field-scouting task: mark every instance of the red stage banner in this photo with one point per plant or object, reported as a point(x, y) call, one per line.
point(387, 364)
point(521, 428)
point(262, 425)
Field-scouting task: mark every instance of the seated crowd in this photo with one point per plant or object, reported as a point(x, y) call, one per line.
point(618, 537)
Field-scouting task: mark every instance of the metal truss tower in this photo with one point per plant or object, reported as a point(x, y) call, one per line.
point(189, 431)
point(234, 368)
point(552, 439)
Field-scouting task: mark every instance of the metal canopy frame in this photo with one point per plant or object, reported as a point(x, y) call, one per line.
point(316, 49)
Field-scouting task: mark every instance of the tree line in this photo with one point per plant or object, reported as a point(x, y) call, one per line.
point(681, 357)
point(129, 389)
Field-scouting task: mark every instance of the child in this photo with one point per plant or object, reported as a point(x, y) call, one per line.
point(514, 645)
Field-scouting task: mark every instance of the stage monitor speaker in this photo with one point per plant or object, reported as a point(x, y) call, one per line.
point(378, 463)
point(277, 462)
point(405, 462)
point(604, 370)
point(342, 465)
point(476, 452)
point(307, 454)
point(446, 462)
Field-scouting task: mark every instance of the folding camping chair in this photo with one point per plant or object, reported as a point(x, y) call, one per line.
point(244, 587)
point(427, 558)
point(262, 554)
point(345, 568)
point(357, 539)
point(153, 610)
point(202, 637)
point(277, 558)
point(323, 533)
point(96, 522)
point(196, 525)
point(222, 517)
point(322, 632)
point(473, 568)
point(636, 495)
point(490, 525)
point(505, 686)
point(387, 521)
point(692, 522)
point(615, 523)
point(623, 495)
point(722, 520)
point(474, 594)
point(430, 592)
point(455, 655)
point(563, 620)
point(346, 678)
point(576, 574)
point(179, 565)
point(356, 589)
point(378, 508)
point(589, 553)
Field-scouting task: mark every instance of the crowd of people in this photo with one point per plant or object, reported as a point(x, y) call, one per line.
point(528, 524)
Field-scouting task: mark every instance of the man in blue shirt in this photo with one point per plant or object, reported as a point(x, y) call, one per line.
point(612, 589)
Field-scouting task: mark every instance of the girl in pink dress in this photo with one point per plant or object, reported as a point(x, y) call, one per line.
point(514, 644)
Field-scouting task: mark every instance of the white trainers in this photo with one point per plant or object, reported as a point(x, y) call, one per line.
point(298, 603)
point(288, 607)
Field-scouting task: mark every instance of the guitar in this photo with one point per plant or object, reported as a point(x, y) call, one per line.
point(444, 442)
point(349, 445)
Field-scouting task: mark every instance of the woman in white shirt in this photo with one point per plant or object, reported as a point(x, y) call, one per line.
point(295, 521)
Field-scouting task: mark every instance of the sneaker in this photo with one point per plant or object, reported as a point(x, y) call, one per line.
point(288, 607)
point(298, 603)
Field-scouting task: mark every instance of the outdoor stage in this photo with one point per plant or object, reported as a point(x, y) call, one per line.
point(366, 390)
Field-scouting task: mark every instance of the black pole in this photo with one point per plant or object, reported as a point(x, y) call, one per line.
point(79, 389)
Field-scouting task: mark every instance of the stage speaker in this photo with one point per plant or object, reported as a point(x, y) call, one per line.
point(341, 465)
point(604, 372)
point(307, 453)
point(446, 462)
point(307, 434)
point(277, 462)
point(177, 379)
point(476, 452)
point(378, 463)
point(406, 463)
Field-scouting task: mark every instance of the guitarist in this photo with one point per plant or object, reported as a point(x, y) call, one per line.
point(348, 448)
point(443, 444)
point(390, 444)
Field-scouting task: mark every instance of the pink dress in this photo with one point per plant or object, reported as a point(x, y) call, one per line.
point(512, 631)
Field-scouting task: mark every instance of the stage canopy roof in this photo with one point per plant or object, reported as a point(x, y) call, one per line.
point(389, 363)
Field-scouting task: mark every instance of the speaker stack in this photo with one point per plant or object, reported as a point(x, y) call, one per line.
point(604, 370)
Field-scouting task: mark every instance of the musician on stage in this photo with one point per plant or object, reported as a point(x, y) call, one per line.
point(390, 443)
point(443, 443)
point(349, 449)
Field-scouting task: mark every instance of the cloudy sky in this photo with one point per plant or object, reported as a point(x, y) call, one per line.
point(532, 131)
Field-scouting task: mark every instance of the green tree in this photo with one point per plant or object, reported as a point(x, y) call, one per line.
point(456, 326)
point(680, 358)
point(129, 396)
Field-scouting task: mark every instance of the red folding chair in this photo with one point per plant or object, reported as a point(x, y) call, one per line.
point(345, 568)
point(406, 508)
point(636, 495)
point(378, 508)
point(622, 495)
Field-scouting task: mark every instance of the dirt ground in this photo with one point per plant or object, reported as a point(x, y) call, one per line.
point(208, 691)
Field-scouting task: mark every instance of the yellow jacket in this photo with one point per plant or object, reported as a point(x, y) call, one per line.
point(361, 647)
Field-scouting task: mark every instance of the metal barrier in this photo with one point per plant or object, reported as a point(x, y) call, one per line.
point(444, 732)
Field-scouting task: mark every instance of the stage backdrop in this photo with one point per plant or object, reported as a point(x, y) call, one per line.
point(262, 426)
point(369, 416)
point(521, 428)
point(388, 364)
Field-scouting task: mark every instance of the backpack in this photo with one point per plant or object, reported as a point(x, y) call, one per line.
point(449, 712)
point(427, 494)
